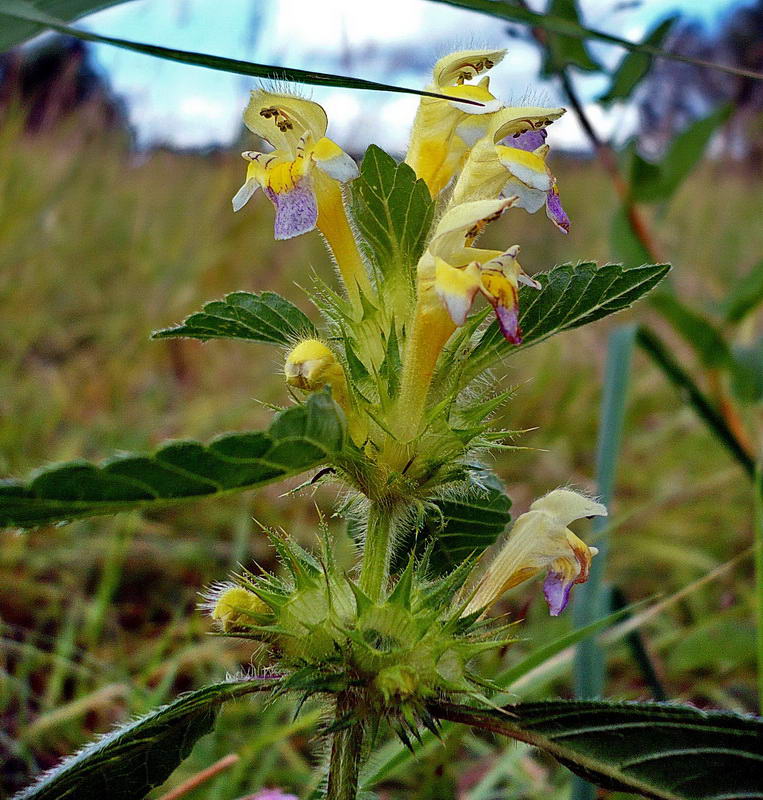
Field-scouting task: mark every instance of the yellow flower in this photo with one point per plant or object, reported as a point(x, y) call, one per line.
point(302, 177)
point(461, 271)
point(296, 128)
point(540, 540)
point(235, 607)
point(444, 130)
point(511, 160)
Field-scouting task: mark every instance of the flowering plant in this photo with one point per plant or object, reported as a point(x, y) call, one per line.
point(392, 405)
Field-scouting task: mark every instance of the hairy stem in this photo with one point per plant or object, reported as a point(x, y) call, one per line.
point(377, 551)
point(346, 752)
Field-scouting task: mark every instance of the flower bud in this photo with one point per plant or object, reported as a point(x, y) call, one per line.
point(235, 607)
point(311, 366)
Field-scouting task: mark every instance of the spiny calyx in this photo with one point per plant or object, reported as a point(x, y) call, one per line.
point(329, 637)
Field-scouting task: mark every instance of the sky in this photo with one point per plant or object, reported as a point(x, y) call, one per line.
point(396, 41)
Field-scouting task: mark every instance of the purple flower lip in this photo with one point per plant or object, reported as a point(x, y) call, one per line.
point(296, 210)
point(555, 212)
point(508, 321)
point(556, 590)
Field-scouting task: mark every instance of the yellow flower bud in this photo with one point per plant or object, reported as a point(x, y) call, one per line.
point(235, 606)
point(311, 366)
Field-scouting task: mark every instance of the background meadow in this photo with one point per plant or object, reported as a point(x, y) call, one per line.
point(102, 242)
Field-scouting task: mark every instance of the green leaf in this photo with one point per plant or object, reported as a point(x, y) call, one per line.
point(695, 328)
point(127, 763)
point(298, 439)
point(392, 365)
point(38, 16)
point(566, 51)
point(15, 31)
point(392, 210)
point(567, 27)
point(658, 750)
point(745, 296)
point(656, 182)
point(571, 295)
point(466, 525)
point(265, 317)
point(634, 66)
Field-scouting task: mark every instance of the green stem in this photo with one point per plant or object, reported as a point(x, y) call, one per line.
point(346, 752)
point(758, 525)
point(681, 379)
point(377, 551)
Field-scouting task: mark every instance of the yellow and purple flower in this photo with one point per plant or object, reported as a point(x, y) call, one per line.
point(461, 271)
point(511, 161)
point(540, 540)
point(304, 165)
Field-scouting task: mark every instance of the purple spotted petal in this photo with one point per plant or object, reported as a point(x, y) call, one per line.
point(557, 592)
point(296, 210)
point(272, 794)
point(508, 322)
point(555, 212)
point(529, 140)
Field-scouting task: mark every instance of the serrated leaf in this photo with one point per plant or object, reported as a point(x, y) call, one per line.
point(127, 763)
point(571, 295)
point(464, 526)
point(695, 328)
point(634, 66)
point(566, 51)
point(393, 211)
point(656, 182)
point(658, 750)
point(265, 317)
point(298, 439)
point(745, 296)
point(21, 18)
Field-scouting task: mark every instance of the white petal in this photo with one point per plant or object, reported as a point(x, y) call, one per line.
point(530, 199)
point(342, 167)
point(244, 194)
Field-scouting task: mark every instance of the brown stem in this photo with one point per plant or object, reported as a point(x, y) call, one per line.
point(729, 412)
point(201, 777)
point(606, 156)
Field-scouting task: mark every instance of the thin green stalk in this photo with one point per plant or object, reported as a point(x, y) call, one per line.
point(758, 525)
point(377, 551)
point(592, 599)
point(681, 379)
point(346, 752)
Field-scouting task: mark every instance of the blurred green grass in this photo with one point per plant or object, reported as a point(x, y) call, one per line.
point(99, 246)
